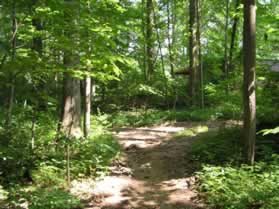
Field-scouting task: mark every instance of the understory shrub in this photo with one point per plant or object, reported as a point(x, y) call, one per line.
point(242, 187)
point(36, 177)
point(38, 198)
point(218, 147)
point(225, 182)
point(141, 117)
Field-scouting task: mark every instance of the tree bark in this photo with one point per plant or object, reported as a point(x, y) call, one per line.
point(37, 41)
point(170, 41)
point(201, 73)
point(226, 63)
point(158, 39)
point(71, 121)
point(71, 125)
point(233, 35)
point(12, 77)
point(193, 53)
point(249, 48)
point(143, 28)
point(149, 40)
point(87, 112)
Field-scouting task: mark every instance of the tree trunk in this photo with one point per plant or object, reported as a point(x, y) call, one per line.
point(226, 64)
point(249, 48)
point(12, 77)
point(143, 28)
point(233, 35)
point(71, 122)
point(37, 41)
point(71, 125)
point(201, 73)
point(193, 53)
point(33, 126)
point(87, 112)
point(170, 42)
point(149, 40)
point(158, 38)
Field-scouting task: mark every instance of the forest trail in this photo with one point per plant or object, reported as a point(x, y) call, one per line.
point(154, 172)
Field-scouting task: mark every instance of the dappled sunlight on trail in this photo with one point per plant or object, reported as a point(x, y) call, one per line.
point(155, 171)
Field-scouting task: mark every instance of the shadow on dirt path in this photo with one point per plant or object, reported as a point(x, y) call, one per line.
point(154, 172)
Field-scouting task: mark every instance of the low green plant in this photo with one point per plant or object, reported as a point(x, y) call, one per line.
point(145, 117)
point(45, 166)
point(227, 183)
point(93, 156)
point(49, 176)
point(218, 147)
point(192, 131)
point(241, 187)
point(3, 194)
point(38, 198)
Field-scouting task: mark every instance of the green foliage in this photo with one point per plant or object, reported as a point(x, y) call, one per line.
point(3, 194)
point(16, 156)
point(192, 131)
point(49, 176)
point(107, 41)
point(92, 157)
point(144, 117)
point(218, 147)
point(45, 165)
point(37, 198)
point(227, 183)
point(270, 131)
point(242, 187)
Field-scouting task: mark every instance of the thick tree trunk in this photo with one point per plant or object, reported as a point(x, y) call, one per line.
point(87, 112)
point(71, 124)
point(193, 53)
point(249, 47)
point(71, 121)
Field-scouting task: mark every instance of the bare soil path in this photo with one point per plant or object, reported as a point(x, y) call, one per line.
point(155, 171)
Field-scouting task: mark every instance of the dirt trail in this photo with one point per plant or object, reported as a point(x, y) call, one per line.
point(155, 171)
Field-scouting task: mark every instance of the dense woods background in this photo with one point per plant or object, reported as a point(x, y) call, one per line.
point(71, 70)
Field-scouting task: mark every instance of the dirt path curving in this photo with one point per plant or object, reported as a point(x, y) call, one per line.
point(154, 172)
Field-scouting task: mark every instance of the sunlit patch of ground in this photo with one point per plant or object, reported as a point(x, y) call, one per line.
point(154, 172)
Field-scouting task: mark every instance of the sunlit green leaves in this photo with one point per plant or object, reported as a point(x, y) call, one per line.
point(270, 131)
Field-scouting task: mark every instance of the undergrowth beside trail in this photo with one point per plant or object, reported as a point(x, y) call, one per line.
point(36, 178)
point(142, 117)
point(225, 182)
